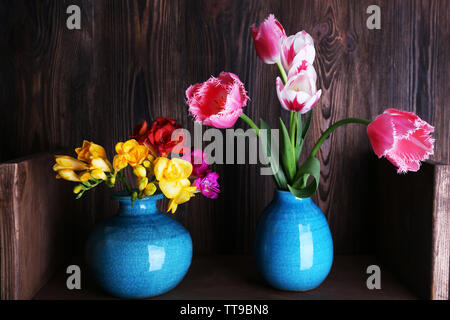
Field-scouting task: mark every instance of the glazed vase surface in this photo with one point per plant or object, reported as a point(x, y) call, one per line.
point(140, 252)
point(293, 244)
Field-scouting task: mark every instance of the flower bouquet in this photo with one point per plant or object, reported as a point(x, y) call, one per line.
point(141, 252)
point(293, 223)
point(147, 154)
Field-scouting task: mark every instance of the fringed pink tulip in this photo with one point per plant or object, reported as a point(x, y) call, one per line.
point(267, 39)
point(297, 48)
point(218, 102)
point(402, 137)
point(300, 93)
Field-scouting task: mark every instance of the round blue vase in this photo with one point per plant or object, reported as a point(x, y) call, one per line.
point(293, 245)
point(140, 252)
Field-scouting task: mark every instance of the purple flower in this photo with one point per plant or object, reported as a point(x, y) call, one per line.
point(199, 163)
point(208, 185)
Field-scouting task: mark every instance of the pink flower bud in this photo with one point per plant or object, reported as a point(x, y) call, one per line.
point(267, 39)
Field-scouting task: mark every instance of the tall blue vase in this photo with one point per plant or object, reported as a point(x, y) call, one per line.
point(293, 245)
point(140, 252)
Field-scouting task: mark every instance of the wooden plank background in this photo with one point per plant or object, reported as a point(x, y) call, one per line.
point(133, 60)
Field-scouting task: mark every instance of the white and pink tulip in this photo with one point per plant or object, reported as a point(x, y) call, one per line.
point(300, 93)
point(296, 48)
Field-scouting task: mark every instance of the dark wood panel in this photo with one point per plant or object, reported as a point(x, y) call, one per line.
point(36, 226)
point(440, 270)
point(133, 60)
point(413, 237)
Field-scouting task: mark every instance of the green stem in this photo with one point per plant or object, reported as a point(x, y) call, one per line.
point(336, 125)
point(293, 130)
point(292, 124)
point(250, 122)
point(124, 181)
point(293, 115)
point(282, 71)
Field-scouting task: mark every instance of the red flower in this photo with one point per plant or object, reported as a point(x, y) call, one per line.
point(159, 137)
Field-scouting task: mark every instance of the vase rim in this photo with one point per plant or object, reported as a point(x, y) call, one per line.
point(287, 194)
point(124, 196)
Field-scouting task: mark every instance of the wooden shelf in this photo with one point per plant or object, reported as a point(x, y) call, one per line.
point(235, 277)
point(411, 237)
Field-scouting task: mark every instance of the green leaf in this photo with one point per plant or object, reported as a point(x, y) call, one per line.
point(298, 138)
point(298, 151)
point(109, 184)
point(311, 167)
point(279, 176)
point(79, 195)
point(287, 153)
point(307, 123)
point(87, 184)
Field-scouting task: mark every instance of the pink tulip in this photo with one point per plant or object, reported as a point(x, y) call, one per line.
point(300, 93)
point(402, 137)
point(217, 102)
point(297, 48)
point(267, 39)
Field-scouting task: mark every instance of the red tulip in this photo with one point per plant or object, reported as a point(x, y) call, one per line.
point(267, 39)
point(402, 137)
point(217, 102)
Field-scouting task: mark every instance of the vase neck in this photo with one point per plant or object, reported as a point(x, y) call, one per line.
point(286, 196)
point(140, 207)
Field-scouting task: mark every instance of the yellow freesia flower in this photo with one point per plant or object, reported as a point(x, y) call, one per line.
point(142, 183)
point(171, 169)
point(85, 176)
point(68, 174)
point(139, 171)
point(89, 151)
point(172, 175)
point(98, 174)
point(119, 162)
point(146, 163)
point(101, 163)
point(183, 196)
point(77, 189)
point(66, 167)
point(129, 152)
point(91, 164)
point(70, 163)
point(150, 189)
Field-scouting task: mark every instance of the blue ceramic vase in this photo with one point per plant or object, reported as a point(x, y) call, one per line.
point(293, 245)
point(140, 252)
